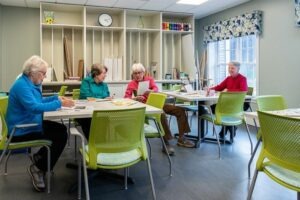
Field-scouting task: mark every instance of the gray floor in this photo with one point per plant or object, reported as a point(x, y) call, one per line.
point(198, 174)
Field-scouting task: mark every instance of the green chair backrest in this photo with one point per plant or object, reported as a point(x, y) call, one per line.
point(114, 131)
point(250, 91)
point(3, 126)
point(156, 100)
point(62, 90)
point(230, 104)
point(281, 139)
point(270, 102)
point(3, 104)
point(75, 94)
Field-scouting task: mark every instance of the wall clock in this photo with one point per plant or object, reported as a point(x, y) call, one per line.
point(105, 20)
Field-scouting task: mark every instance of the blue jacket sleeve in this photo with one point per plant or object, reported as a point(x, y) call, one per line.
point(35, 103)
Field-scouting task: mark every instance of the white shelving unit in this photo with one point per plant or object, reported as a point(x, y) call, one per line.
point(134, 36)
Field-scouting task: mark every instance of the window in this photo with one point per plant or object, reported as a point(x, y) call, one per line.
point(242, 49)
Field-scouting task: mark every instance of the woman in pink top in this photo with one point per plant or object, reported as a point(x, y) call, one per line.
point(138, 75)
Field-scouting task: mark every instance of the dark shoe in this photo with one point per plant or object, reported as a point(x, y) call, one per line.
point(170, 149)
point(35, 158)
point(221, 135)
point(185, 143)
point(37, 177)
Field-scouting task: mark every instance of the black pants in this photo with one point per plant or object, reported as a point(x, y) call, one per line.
point(53, 131)
point(85, 124)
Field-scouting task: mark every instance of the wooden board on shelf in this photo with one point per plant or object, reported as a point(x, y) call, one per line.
point(80, 72)
point(68, 71)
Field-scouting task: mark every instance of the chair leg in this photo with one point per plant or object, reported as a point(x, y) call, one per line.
point(151, 179)
point(69, 126)
point(79, 177)
point(218, 141)
point(149, 145)
point(252, 185)
point(252, 156)
point(75, 147)
point(87, 193)
point(6, 161)
point(125, 178)
point(248, 132)
point(48, 168)
point(298, 195)
point(166, 150)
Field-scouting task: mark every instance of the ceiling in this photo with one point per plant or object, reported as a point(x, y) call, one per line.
point(200, 11)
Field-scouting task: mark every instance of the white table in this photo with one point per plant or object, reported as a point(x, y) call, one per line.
point(200, 97)
point(90, 106)
point(290, 112)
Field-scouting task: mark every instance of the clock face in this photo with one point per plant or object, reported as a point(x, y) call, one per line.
point(105, 20)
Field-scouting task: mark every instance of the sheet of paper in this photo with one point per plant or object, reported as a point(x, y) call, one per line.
point(189, 88)
point(143, 87)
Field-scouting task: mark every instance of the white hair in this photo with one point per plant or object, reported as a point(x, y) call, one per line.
point(34, 64)
point(137, 67)
point(235, 63)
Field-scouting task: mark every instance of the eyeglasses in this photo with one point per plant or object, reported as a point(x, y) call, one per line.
point(43, 73)
point(138, 73)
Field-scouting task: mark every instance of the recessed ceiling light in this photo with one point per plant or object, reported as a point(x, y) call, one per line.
point(191, 2)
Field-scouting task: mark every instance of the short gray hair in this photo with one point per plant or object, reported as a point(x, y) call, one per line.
point(235, 63)
point(34, 64)
point(137, 67)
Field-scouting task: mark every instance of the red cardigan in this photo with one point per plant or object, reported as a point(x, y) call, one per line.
point(133, 85)
point(233, 84)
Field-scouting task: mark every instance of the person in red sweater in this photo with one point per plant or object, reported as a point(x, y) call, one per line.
point(235, 82)
point(138, 75)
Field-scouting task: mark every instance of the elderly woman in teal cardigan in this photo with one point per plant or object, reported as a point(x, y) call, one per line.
point(93, 87)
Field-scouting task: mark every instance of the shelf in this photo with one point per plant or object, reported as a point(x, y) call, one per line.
point(134, 36)
point(177, 32)
point(142, 30)
point(104, 28)
point(59, 26)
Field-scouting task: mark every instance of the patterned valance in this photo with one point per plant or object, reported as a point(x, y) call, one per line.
point(246, 24)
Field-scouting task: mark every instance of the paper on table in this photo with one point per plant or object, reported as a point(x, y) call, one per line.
point(143, 87)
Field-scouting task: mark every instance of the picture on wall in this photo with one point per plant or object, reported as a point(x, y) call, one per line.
point(297, 12)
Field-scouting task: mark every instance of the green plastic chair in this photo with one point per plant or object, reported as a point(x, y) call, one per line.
point(229, 112)
point(266, 103)
point(116, 141)
point(280, 154)
point(7, 146)
point(75, 94)
point(156, 100)
point(62, 90)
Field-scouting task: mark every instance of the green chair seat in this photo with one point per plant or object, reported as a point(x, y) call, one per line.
point(286, 176)
point(121, 158)
point(31, 143)
point(150, 131)
point(225, 120)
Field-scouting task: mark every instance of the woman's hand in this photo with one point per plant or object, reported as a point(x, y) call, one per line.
point(140, 98)
point(66, 102)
